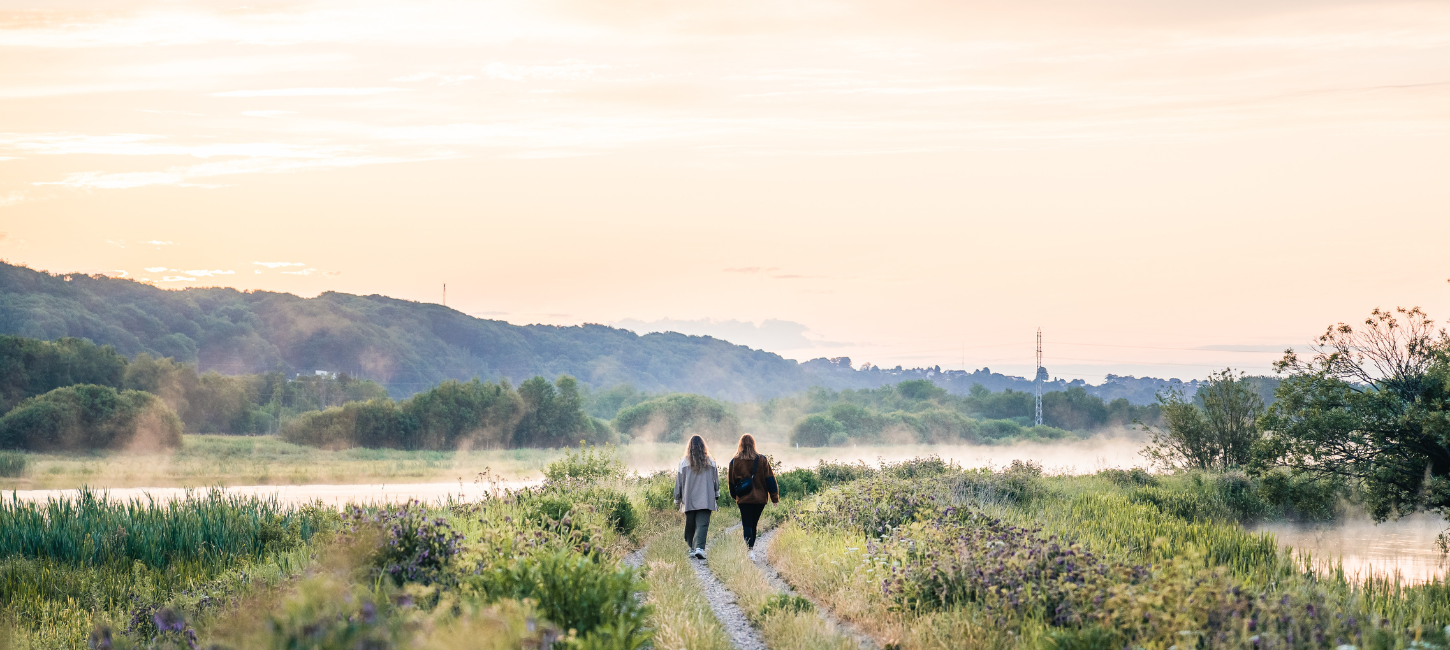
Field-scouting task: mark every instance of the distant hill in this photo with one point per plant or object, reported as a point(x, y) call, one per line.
point(406, 346)
point(409, 346)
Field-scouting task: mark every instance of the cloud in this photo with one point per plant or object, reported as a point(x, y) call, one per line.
point(145, 144)
point(771, 334)
point(13, 198)
point(302, 272)
point(568, 69)
point(157, 242)
point(186, 176)
point(177, 278)
point(155, 269)
point(443, 79)
point(268, 113)
point(333, 273)
point(163, 112)
point(310, 92)
point(205, 273)
point(277, 265)
point(123, 273)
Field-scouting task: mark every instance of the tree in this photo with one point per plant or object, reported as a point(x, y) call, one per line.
point(87, 416)
point(815, 431)
point(1216, 430)
point(1371, 404)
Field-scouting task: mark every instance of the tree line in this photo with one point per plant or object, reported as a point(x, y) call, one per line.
point(919, 411)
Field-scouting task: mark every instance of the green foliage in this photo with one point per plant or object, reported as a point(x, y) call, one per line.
point(798, 483)
point(788, 603)
point(607, 403)
point(13, 464)
point(456, 414)
point(1370, 406)
point(577, 592)
point(29, 367)
point(587, 464)
point(675, 417)
point(87, 416)
point(1217, 432)
point(1136, 477)
point(401, 344)
point(816, 431)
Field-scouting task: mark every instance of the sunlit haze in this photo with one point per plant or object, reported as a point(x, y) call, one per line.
point(1165, 188)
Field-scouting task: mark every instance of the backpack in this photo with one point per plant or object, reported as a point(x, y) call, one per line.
point(747, 484)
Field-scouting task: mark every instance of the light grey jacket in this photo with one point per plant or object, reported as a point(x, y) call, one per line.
point(697, 490)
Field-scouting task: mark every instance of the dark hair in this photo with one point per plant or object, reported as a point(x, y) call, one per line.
point(746, 449)
point(698, 454)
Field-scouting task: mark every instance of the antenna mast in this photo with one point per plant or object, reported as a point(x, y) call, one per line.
point(445, 302)
point(1037, 380)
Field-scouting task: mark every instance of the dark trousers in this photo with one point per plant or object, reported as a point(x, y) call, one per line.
point(749, 518)
point(697, 528)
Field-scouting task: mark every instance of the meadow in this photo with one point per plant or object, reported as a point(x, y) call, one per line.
point(912, 553)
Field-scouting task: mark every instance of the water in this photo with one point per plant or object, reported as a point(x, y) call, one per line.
point(1406, 546)
point(333, 495)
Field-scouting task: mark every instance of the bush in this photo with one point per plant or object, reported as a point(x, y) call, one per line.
point(838, 473)
point(782, 602)
point(413, 547)
point(87, 416)
point(614, 504)
point(797, 483)
point(13, 464)
point(588, 464)
point(816, 431)
point(578, 592)
point(1135, 477)
point(672, 417)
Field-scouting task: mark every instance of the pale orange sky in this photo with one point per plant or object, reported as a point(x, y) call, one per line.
point(901, 179)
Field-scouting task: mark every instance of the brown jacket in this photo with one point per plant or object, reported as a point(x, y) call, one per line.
point(764, 487)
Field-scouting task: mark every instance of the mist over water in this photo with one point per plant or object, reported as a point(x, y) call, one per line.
point(1406, 546)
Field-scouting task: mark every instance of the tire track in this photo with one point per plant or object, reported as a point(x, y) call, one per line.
point(743, 635)
point(774, 578)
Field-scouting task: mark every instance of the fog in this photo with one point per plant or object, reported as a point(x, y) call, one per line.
point(1406, 546)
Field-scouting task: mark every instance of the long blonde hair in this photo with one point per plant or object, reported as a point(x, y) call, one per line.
point(698, 454)
point(746, 450)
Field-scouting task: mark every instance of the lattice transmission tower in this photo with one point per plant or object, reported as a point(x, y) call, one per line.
point(1041, 377)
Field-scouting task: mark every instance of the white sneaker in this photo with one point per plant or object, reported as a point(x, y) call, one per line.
point(752, 555)
point(700, 553)
point(690, 554)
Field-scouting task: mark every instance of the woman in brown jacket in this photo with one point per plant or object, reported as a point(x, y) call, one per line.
point(752, 466)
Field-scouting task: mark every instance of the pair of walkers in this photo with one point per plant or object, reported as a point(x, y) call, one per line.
point(697, 490)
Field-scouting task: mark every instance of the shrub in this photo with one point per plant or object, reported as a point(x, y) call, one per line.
point(575, 591)
point(13, 464)
point(838, 473)
point(414, 547)
point(659, 491)
point(797, 483)
point(614, 504)
point(87, 416)
point(671, 417)
point(783, 602)
point(1135, 477)
point(816, 431)
point(588, 464)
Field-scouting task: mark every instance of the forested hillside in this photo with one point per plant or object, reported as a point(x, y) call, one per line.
point(404, 345)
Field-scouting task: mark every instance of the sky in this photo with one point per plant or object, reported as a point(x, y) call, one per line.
point(1165, 188)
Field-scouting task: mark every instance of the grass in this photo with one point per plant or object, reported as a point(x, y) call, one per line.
point(1012, 559)
point(786, 623)
point(682, 617)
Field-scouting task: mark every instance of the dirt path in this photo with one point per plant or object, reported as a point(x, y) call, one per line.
point(773, 576)
point(743, 635)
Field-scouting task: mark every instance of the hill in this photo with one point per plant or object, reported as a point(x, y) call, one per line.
point(406, 346)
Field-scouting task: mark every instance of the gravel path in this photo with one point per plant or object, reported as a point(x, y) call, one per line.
point(773, 576)
point(743, 636)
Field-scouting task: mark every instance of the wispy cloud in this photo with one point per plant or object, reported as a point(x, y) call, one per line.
point(278, 265)
point(177, 278)
point(302, 272)
point(268, 113)
point(13, 198)
point(568, 69)
point(188, 176)
point(202, 273)
point(158, 242)
point(310, 92)
point(157, 269)
point(442, 79)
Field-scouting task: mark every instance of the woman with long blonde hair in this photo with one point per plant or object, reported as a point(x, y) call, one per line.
point(752, 483)
point(697, 493)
